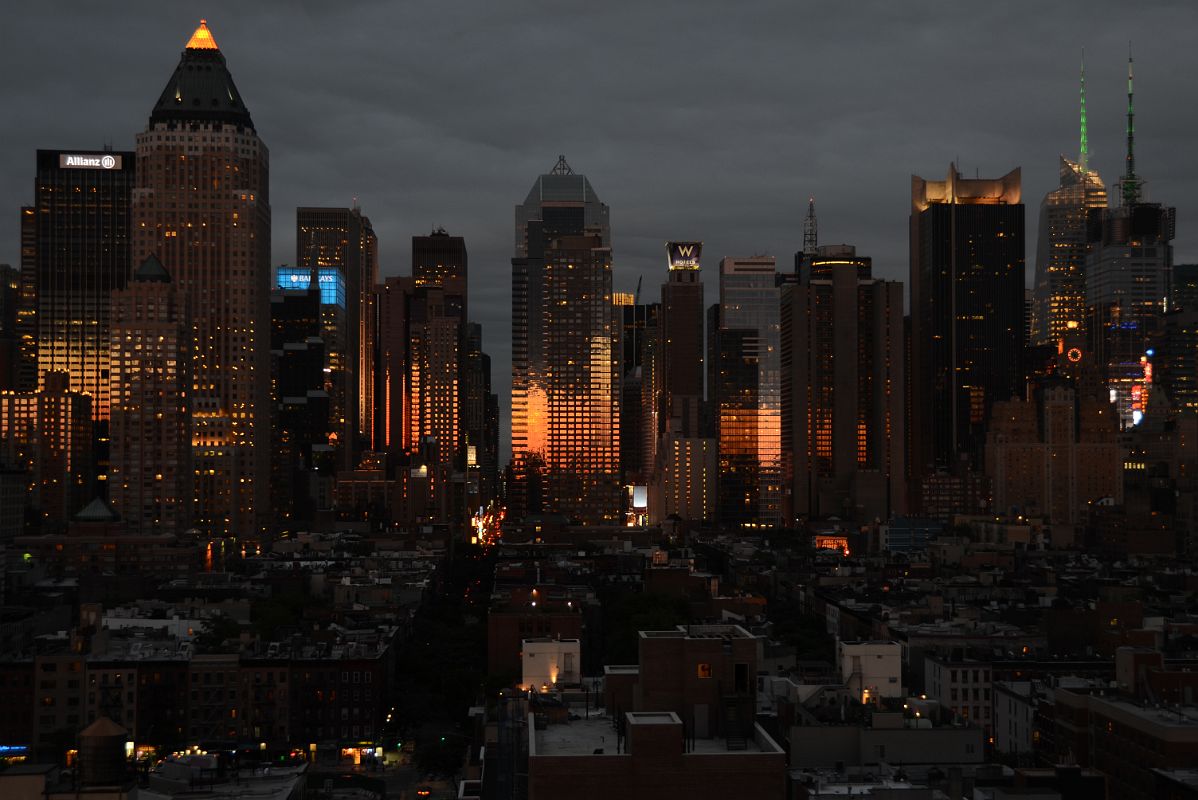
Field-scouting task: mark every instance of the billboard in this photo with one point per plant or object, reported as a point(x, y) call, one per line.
point(684, 255)
point(331, 281)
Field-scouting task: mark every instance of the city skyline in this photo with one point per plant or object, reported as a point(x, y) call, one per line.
point(417, 160)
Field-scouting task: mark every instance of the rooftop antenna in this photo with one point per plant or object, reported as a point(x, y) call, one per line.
point(1131, 183)
point(810, 230)
point(1083, 155)
point(561, 167)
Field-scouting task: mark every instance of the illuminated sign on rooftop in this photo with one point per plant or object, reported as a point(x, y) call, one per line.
point(684, 255)
point(331, 282)
point(89, 160)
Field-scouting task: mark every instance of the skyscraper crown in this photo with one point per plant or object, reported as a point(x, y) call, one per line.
point(201, 89)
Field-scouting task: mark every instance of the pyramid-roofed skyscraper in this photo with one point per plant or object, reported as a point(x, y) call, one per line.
point(202, 206)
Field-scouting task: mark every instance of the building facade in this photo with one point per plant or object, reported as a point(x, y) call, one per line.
point(745, 376)
point(341, 244)
point(48, 435)
point(1059, 297)
point(1054, 455)
point(842, 390)
point(151, 477)
point(81, 246)
point(565, 354)
point(202, 205)
point(967, 313)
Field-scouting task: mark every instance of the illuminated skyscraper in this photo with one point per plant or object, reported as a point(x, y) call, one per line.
point(202, 206)
point(340, 243)
point(150, 483)
point(1059, 300)
point(565, 354)
point(48, 434)
point(967, 313)
point(424, 361)
point(10, 338)
point(747, 392)
point(842, 389)
point(683, 472)
point(1129, 272)
point(80, 255)
point(391, 305)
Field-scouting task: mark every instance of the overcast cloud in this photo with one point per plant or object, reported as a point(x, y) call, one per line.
point(692, 119)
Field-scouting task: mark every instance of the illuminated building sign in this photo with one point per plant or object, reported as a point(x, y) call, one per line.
point(684, 255)
point(89, 160)
point(331, 281)
point(825, 542)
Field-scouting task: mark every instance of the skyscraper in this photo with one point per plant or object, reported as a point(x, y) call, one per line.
point(565, 354)
point(638, 322)
point(967, 312)
point(480, 417)
point(434, 419)
point(151, 478)
point(432, 381)
point(340, 243)
point(1059, 299)
point(202, 205)
point(747, 392)
point(683, 470)
point(1129, 272)
point(682, 338)
point(842, 389)
point(302, 456)
point(81, 243)
point(391, 304)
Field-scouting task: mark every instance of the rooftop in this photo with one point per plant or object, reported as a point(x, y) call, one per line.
point(584, 737)
point(700, 632)
point(1183, 717)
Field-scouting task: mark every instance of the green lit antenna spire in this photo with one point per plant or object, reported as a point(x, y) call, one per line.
point(1131, 183)
point(1084, 152)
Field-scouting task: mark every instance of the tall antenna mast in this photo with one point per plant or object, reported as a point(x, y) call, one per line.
point(1084, 151)
point(1131, 183)
point(810, 230)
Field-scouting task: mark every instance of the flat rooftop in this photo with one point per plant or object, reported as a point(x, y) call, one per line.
point(700, 632)
point(583, 737)
point(1185, 717)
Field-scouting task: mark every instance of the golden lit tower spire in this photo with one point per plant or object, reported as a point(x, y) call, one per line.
point(202, 38)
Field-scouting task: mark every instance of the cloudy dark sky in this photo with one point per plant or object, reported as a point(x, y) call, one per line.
point(692, 118)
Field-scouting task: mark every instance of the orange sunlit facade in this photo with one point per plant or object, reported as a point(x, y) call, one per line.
point(748, 393)
point(565, 355)
point(79, 237)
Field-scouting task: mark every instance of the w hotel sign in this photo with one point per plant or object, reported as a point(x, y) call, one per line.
point(89, 160)
point(684, 255)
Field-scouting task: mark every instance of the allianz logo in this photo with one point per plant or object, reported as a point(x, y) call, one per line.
point(101, 162)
